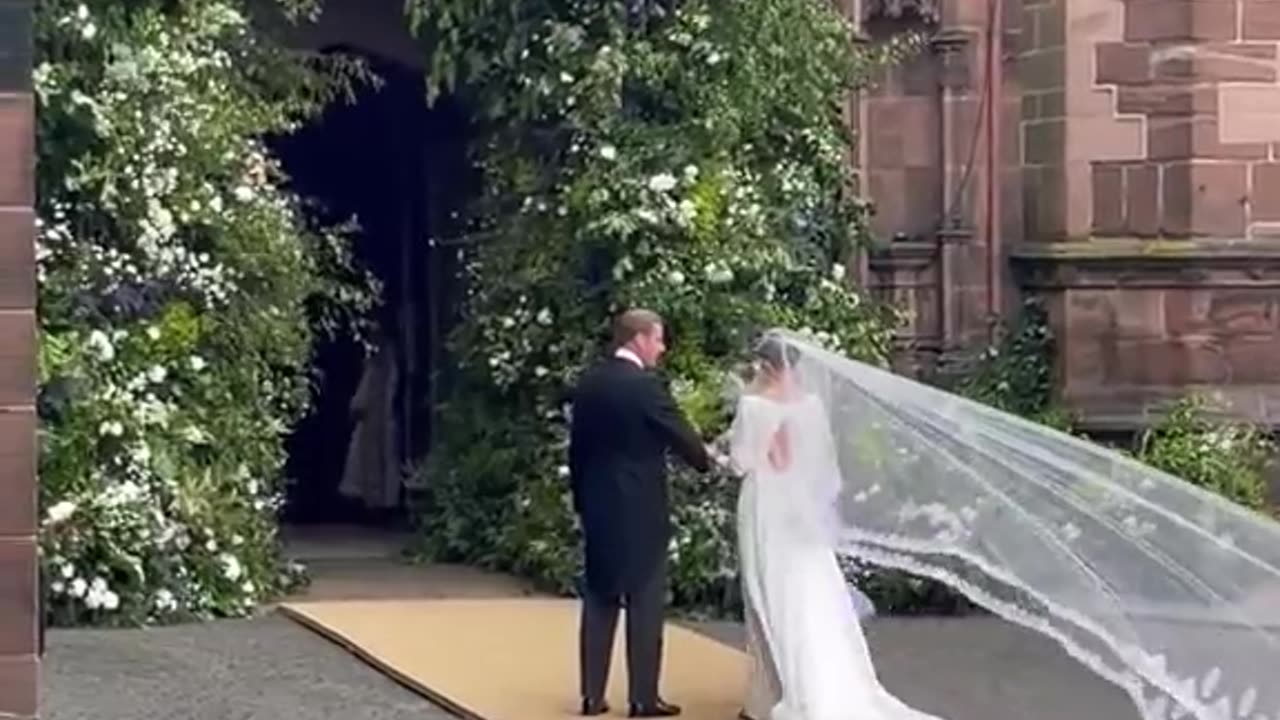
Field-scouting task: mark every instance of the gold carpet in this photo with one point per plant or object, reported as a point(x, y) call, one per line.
point(515, 659)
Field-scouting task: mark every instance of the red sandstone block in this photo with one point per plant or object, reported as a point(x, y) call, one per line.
point(19, 686)
point(1253, 360)
point(1123, 64)
point(1261, 19)
point(1167, 100)
point(1142, 199)
point(1154, 20)
point(1108, 199)
point(18, 588)
point(1196, 137)
point(17, 472)
point(17, 150)
point(1222, 311)
point(1218, 62)
point(1205, 199)
point(1264, 196)
point(17, 358)
point(17, 259)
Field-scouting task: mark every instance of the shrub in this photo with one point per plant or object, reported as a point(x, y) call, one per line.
point(1229, 457)
point(690, 165)
point(178, 287)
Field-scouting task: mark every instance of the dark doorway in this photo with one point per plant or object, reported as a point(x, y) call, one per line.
point(399, 169)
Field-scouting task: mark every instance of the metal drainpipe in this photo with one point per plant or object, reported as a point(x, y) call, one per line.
point(995, 166)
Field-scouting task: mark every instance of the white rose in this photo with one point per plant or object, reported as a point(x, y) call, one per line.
point(662, 183)
point(61, 511)
point(609, 152)
point(78, 587)
point(231, 568)
point(157, 374)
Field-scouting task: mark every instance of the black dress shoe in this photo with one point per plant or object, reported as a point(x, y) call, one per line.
point(591, 708)
point(659, 708)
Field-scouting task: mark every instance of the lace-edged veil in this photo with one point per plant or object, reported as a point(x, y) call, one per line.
point(1167, 590)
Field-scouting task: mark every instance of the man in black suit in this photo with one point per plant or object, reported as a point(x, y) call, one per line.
point(624, 421)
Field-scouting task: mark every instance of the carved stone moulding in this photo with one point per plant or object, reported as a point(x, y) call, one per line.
point(1142, 323)
point(1119, 263)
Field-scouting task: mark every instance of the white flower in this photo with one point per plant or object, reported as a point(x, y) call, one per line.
point(111, 428)
point(563, 471)
point(211, 545)
point(838, 271)
point(540, 371)
point(194, 435)
point(609, 152)
point(714, 58)
point(248, 588)
point(60, 511)
point(101, 345)
point(690, 172)
point(157, 374)
point(243, 193)
point(566, 78)
point(544, 316)
point(153, 333)
point(78, 588)
point(508, 322)
point(89, 31)
point(68, 571)
point(100, 596)
point(164, 600)
point(675, 277)
point(662, 183)
point(231, 568)
point(57, 587)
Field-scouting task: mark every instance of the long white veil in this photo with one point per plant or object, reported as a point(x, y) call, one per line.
point(1170, 591)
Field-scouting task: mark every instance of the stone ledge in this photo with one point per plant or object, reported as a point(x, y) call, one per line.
point(1137, 262)
point(1125, 409)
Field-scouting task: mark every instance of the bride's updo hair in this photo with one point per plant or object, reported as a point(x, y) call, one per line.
point(773, 354)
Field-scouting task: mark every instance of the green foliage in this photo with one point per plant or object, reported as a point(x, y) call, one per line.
point(693, 162)
point(1016, 373)
point(178, 287)
point(1227, 457)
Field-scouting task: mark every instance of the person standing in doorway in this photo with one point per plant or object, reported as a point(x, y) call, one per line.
point(371, 473)
point(624, 421)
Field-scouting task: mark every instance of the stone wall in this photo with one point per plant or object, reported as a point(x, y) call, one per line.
point(944, 178)
point(19, 651)
point(1161, 263)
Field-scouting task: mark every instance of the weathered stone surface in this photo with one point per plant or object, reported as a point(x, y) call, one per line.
point(1141, 322)
point(1261, 19)
point(1205, 199)
point(1159, 20)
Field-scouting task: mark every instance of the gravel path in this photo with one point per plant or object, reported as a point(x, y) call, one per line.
point(270, 668)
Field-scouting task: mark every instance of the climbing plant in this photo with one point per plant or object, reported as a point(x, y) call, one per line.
point(180, 285)
point(689, 157)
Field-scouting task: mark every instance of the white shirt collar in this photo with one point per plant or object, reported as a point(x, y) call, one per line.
point(629, 356)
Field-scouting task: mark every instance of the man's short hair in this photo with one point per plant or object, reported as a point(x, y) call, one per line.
point(632, 323)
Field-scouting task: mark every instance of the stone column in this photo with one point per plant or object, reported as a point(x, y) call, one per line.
point(19, 651)
point(1162, 259)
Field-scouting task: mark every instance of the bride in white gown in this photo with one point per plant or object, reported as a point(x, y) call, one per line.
point(809, 657)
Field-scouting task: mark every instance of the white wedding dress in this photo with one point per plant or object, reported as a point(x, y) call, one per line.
point(809, 657)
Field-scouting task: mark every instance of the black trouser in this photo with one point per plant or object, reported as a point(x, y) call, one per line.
point(644, 637)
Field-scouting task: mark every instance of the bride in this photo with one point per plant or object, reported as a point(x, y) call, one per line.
point(809, 658)
point(1159, 586)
